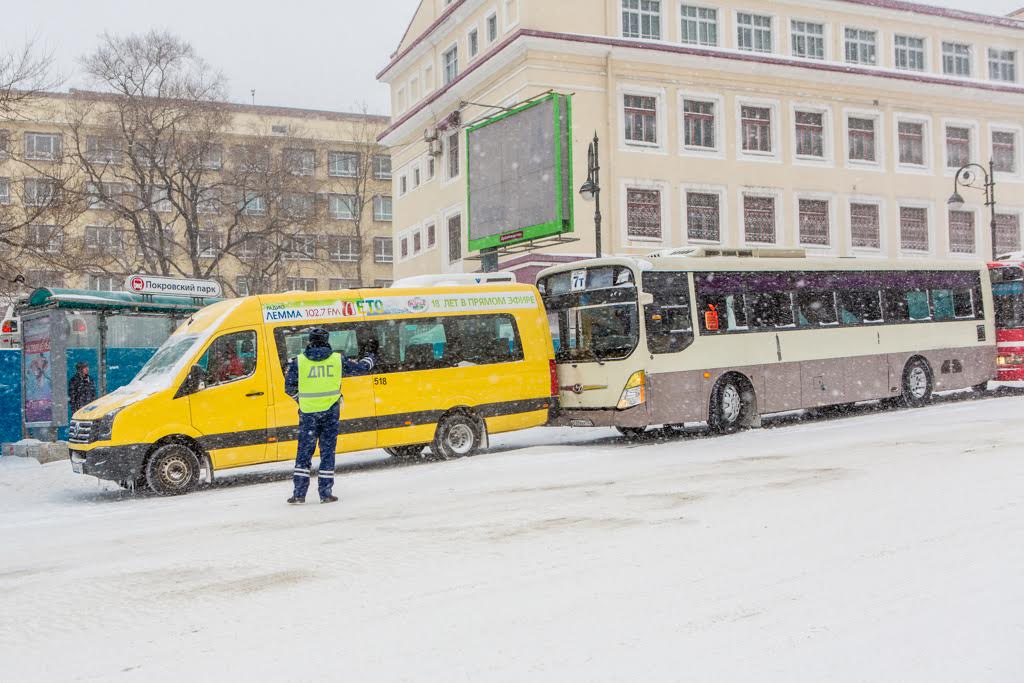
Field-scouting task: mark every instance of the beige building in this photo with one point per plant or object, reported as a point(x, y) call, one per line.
point(334, 167)
point(833, 125)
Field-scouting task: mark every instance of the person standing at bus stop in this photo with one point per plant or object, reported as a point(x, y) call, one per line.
point(81, 390)
point(313, 379)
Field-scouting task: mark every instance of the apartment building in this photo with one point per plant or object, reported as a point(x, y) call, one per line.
point(832, 125)
point(337, 234)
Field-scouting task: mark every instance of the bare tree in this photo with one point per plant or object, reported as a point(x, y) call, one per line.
point(24, 75)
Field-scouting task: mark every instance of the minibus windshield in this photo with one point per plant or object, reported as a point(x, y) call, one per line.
point(592, 313)
point(165, 361)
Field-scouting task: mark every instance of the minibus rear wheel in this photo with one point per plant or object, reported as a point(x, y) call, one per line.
point(172, 469)
point(457, 436)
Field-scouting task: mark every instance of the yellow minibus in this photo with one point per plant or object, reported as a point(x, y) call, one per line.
point(454, 364)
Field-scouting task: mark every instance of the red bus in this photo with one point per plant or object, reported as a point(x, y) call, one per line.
point(1008, 294)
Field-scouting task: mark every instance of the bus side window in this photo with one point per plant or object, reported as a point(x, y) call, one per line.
point(725, 310)
point(668, 319)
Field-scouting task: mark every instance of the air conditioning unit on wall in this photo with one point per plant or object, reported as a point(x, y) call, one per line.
point(436, 148)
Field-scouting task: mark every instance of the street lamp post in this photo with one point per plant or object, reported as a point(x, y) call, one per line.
point(967, 176)
point(591, 191)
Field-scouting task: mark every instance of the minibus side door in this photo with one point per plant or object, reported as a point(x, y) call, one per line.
point(229, 405)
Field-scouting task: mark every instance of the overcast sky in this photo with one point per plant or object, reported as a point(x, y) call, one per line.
point(318, 54)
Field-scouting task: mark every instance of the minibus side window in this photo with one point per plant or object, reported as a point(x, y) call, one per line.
point(230, 357)
point(482, 340)
point(349, 339)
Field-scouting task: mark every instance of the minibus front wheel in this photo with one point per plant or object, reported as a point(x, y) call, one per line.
point(458, 435)
point(172, 469)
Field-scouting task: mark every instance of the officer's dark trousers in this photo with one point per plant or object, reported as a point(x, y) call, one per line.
point(313, 428)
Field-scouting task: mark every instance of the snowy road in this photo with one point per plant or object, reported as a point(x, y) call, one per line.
point(881, 547)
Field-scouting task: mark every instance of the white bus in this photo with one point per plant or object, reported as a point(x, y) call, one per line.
point(724, 336)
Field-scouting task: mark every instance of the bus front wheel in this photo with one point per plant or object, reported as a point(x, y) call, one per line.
point(457, 436)
point(728, 406)
point(917, 384)
point(173, 469)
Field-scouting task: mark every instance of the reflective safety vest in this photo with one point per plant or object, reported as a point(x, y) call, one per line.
point(319, 383)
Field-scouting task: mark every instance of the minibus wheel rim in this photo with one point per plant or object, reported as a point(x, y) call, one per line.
point(460, 438)
point(732, 404)
point(176, 472)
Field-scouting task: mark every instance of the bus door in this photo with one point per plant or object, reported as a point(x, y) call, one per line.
point(230, 401)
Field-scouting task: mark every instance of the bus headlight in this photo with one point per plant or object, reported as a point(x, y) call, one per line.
point(635, 391)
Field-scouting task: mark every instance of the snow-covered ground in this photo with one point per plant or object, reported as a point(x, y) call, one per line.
point(880, 547)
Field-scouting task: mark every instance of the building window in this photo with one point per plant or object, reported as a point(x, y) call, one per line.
point(961, 232)
point(1004, 151)
point(298, 204)
point(1002, 65)
point(699, 124)
point(861, 134)
point(42, 146)
point(342, 283)
point(5, 143)
point(431, 236)
point(208, 244)
point(956, 59)
point(342, 164)
point(699, 25)
point(342, 207)
point(39, 192)
point(454, 238)
point(103, 238)
point(913, 228)
point(759, 219)
point(911, 143)
point(299, 247)
point(473, 40)
point(382, 283)
point(813, 214)
point(453, 155)
point(344, 249)
point(253, 204)
point(958, 146)
point(403, 185)
point(861, 46)
point(643, 214)
point(754, 32)
point(1007, 233)
point(641, 19)
point(909, 53)
point(492, 27)
point(301, 284)
point(212, 157)
point(36, 279)
point(382, 208)
point(102, 196)
point(756, 124)
point(702, 216)
point(48, 238)
point(415, 177)
point(300, 161)
point(381, 167)
point(243, 286)
point(104, 282)
point(5, 190)
point(864, 226)
point(103, 150)
point(808, 39)
point(810, 134)
point(417, 242)
point(641, 117)
point(383, 252)
point(450, 62)
point(430, 168)
point(403, 248)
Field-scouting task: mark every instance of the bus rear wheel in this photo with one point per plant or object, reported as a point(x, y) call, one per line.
point(406, 452)
point(173, 469)
point(457, 436)
point(728, 407)
point(917, 384)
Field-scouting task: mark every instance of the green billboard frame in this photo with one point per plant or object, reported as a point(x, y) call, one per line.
point(564, 194)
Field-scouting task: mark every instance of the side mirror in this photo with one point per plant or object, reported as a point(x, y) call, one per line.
point(194, 382)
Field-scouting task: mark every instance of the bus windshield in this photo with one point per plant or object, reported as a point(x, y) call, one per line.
point(1009, 304)
point(593, 313)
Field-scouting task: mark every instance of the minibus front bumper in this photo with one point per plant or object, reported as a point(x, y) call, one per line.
point(602, 417)
point(114, 463)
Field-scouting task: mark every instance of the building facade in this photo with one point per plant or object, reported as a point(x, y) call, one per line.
point(336, 183)
point(832, 125)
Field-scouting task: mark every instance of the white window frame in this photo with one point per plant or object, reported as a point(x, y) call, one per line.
point(1016, 63)
point(378, 258)
point(660, 110)
point(444, 66)
point(883, 234)
point(775, 155)
point(723, 212)
point(472, 54)
point(927, 144)
point(348, 256)
point(426, 245)
point(662, 26)
point(337, 215)
point(509, 23)
point(929, 207)
point(344, 154)
point(718, 152)
point(491, 40)
point(447, 265)
point(773, 28)
point(972, 52)
point(1014, 211)
point(927, 49)
point(980, 241)
point(826, 38)
point(781, 238)
point(378, 201)
point(973, 152)
point(879, 42)
point(827, 139)
point(1018, 132)
point(833, 247)
point(664, 187)
point(54, 155)
point(302, 170)
point(253, 204)
point(306, 238)
point(719, 22)
point(878, 164)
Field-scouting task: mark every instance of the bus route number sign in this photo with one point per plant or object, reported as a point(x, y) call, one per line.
point(578, 281)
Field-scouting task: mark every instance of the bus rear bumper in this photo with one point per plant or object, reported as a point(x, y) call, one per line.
point(596, 417)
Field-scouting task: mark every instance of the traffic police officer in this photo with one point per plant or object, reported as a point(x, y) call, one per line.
point(314, 380)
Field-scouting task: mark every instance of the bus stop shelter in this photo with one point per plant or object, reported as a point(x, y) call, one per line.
point(114, 333)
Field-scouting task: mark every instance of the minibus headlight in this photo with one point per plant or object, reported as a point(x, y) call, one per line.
point(635, 391)
point(104, 427)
